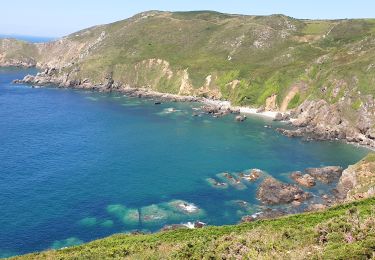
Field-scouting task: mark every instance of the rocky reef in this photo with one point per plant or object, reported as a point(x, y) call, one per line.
point(272, 192)
point(278, 198)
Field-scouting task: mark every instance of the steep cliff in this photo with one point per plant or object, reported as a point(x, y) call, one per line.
point(358, 180)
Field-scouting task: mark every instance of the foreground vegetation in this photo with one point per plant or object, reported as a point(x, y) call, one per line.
point(343, 232)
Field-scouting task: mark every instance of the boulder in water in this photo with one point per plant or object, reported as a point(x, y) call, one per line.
point(305, 180)
point(326, 174)
point(240, 118)
point(273, 192)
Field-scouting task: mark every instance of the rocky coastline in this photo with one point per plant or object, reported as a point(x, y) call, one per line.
point(312, 120)
point(319, 120)
point(216, 108)
point(278, 198)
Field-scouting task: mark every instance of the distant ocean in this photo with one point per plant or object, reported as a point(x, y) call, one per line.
point(28, 38)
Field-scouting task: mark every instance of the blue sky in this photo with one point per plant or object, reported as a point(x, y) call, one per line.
point(57, 18)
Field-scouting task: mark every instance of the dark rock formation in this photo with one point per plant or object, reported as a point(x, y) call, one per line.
point(319, 120)
point(254, 175)
point(326, 174)
point(199, 224)
point(290, 133)
point(272, 192)
point(240, 118)
point(260, 109)
point(278, 117)
point(305, 180)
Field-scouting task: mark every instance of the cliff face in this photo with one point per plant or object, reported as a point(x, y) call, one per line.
point(276, 62)
point(358, 180)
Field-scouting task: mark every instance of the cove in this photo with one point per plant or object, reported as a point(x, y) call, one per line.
point(78, 165)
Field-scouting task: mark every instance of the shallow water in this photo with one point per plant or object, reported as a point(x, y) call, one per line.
point(77, 165)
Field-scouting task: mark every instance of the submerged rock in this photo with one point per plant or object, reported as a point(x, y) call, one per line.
point(254, 175)
point(153, 213)
point(216, 184)
point(240, 118)
point(232, 180)
point(305, 180)
point(272, 192)
point(326, 174)
point(185, 207)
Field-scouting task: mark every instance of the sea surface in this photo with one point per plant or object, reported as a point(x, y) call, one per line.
point(33, 39)
point(78, 165)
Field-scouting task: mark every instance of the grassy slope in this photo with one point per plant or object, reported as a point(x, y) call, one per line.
point(21, 50)
point(286, 54)
point(325, 235)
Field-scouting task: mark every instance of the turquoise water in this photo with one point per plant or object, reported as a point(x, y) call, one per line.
point(77, 165)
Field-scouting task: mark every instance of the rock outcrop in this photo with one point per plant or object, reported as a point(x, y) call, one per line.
point(319, 120)
point(305, 180)
point(326, 174)
point(358, 180)
point(273, 192)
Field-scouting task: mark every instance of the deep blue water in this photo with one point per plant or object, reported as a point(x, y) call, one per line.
point(67, 155)
point(34, 39)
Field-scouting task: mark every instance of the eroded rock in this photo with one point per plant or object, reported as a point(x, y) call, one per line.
point(326, 174)
point(240, 118)
point(273, 192)
point(305, 180)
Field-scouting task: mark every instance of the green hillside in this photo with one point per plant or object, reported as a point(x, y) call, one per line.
point(247, 58)
point(344, 232)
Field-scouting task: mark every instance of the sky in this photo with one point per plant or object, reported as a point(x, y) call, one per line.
point(55, 18)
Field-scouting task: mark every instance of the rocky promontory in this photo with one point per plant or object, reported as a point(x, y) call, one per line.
point(319, 120)
point(358, 180)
